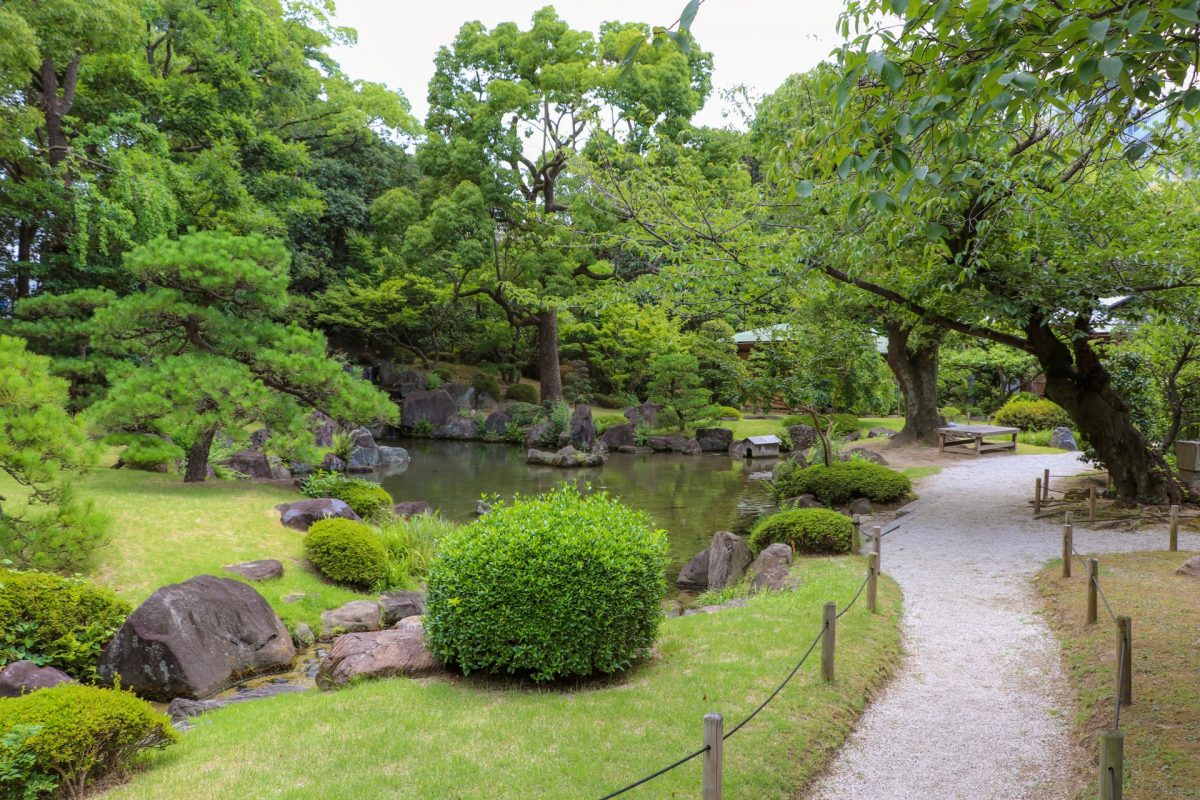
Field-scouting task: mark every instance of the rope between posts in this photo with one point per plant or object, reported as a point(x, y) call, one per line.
point(857, 594)
point(1099, 590)
point(779, 688)
point(652, 776)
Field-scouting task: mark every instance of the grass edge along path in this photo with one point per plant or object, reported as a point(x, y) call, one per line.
point(483, 738)
point(1162, 726)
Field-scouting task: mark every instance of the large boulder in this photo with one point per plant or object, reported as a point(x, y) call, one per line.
point(411, 508)
point(728, 557)
point(457, 427)
point(881, 433)
point(434, 405)
point(259, 438)
point(803, 436)
point(771, 571)
point(462, 395)
point(694, 574)
point(23, 677)
point(408, 381)
point(398, 605)
point(323, 428)
point(863, 454)
point(357, 615)
point(645, 414)
point(496, 423)
point(619, 436)
point(364, 456)
point(331, 463)
point(381, 654)
point(392, 456)
point(250, 462)
point(264, 569)
point(539, 434)
point(674, 444)
point(566, 457)
point(301, 514)
point(1190, 568)
point(581, 434)
point(714, 440)
point(1064, 439)
point(195, 638)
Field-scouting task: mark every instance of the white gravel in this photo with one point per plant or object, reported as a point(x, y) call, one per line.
point(979, 708)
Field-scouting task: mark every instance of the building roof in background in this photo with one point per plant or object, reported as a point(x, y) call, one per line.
point(774, 333)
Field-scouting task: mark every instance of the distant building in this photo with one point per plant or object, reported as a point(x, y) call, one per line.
point(756, 447)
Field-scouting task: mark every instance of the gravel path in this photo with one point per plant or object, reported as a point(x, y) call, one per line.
point(979, 708)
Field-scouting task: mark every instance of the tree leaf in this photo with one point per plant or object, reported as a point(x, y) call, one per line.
point(627, 61)
point(1110, 67)
point(804, 189)
point(1185, 14)
point(892, 76)
point(680, 41)
point(881, 201)
point(1191, 99)
point(1135, 151)
point(901, 161)
point(1136, 20)
point(846, 167)
point(688, 15)
point(935, 232)
point(1098, 30)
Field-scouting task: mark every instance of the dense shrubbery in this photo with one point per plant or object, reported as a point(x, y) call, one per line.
point(523, 414)
point(71, 736)
point(62, 539)
point(367, 499)
point(522, 393)
point(806, 530)
point(57, 622)
point(609, 400)
point(146, 452)
point(728, 412)
point(411, 545)
point(842, 482)
point(347, 552)
point(844, 424)
point(605, 421)
point(552, 586)
point(483, 383)
point(1032, 414)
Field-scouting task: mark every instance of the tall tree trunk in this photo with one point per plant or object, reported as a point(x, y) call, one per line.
point(26, 234)
point(1078, 381)
point(548, 369)
point(197, 461)
point(915, 365)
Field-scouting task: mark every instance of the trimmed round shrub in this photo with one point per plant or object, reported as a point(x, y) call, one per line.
point(844, 481)
point(346, 552)
point(73, 736)
point(365, 498)
point(484, 383)
point(805, 530)
point(728, 412)
point(1032, 415)
point(844, 424)
point(522, 393)
point(951, 412)
point(559, 585)
point(57, 622)
point(150, 453)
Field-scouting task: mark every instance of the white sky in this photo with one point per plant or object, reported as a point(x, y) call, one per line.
point(753, 42)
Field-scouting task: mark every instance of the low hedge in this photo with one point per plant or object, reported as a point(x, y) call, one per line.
point(1032, 415)
point(55, 621)
point(559, 585)
point(522, 393)
point(805, 530)
point(843, 481)
point(366, 498)
point(346, 552)
point(70, 736)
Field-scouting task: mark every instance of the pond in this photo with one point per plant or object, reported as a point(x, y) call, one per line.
point(690, 497)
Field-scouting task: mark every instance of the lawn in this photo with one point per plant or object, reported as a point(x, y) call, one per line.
point(1162, 726)
point(474, 738)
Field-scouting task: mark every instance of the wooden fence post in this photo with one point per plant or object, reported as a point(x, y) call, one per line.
point(1093, 578)
point(1045, 484)
point(1173, 535)
point(877, 535)
point(1092, 503)
point(873, 583)
point(1069, 517)
point(1125, 656)
point(829, 642)
point(714, 726)
point(857, 543)
point(1068, 535)
point(1112, 756)
point(1037, 496)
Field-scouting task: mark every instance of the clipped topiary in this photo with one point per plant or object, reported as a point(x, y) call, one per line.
point(1032, 415)
point(805, 530)
point(73, 736)
point(559, 585)
point(57, 622)
point(346, 552)
point(522, 393)
point(843, 481)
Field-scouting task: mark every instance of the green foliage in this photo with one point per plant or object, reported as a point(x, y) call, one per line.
point(483, 383)
point(54, 621)
point(560, 420)
point(424, 428)
point(843, 481)
point(608, 400)
point(524, 414)
point(560, 585)
point(952, 413)
point(346, 552)
point(342, 445)
point(675, 382)
point(411, 546)
point(366, 498)
point(19, 775)
point(805, 530)
point(844, 424)
point(434, 381)
point(522, 393)
point(1031, 415)
point(728, 412)
point(63, 538)
point(78, 734)
point(149, 452)
point(979, 375)
point(605, 421)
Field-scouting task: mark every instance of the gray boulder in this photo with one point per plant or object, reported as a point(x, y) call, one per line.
point(457, 427)
point(728, 557)
point(22, 677)
point(539, 434)
point(301, 514)
point(259, 438)
point(391, 456)
point(303, 636)
point(714, 440)
point(771, 571)
point(881, 433)
point(485, 403)
point(803, 436)
point(364, 457)
point(860, 506)
point(566, 457)
point(264, 569)
point(195, 638)
point(1190, 568)
point(482, 507)
point(323, 428)
point(645, 414)
point(581, 434)
point(1064, 439)
point(674, 444)
point(694, 574)
point(380, 654)
point(496, 423)
point(250, 462)
point(462, 395)
point(332, 463)
point(434, 405)
point(411, 508)
point(805, 501)
point(181, 708)
point(619, 436)
point(357, 615)
point(398, 605)
point(863, 454)
point(408, 381)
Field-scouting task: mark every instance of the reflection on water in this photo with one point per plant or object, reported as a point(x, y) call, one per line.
point(690, 497)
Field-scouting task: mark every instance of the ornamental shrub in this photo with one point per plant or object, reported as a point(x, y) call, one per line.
point(605, 421)
point(484, 383)
point(844, 424)
point(728, 412)
point(367, 499)
point(523, 414)
point(609, 400)
point(522, 393)
point(1032, 415)
point(150, 453)
point(843, 481)
point(806, 530)
point(346, 552)
point(558, 585)
point(57, 622)
point(73, 736)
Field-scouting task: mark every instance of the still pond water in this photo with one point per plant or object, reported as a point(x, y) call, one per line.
point(690, 497)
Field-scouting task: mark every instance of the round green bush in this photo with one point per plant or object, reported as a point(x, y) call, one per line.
point(728, 412)
point(1032, 415)
point(806, 530)
point(484, 383)
point(74, 735)
point(559, 585)
point(150, 453)
point(844, 481)
point(844, 424)
point(346, 552)
point(365, 498)
point(522, 393)
point(57, 622)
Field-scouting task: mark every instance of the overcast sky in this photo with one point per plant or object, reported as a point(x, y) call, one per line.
point(754, 42)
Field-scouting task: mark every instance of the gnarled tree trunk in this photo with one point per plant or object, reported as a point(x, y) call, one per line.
point(915, 365)
point(548, 368)
point(197, 460)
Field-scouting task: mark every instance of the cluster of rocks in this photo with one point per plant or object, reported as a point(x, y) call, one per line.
point(566, 457)
point(728, 559)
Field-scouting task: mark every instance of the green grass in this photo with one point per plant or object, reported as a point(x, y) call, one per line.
point(477, 738)
point(915, 473)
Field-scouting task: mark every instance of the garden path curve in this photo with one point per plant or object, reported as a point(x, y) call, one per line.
point(979, 707)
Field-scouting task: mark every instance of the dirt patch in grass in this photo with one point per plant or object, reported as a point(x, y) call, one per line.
point(1162, 727)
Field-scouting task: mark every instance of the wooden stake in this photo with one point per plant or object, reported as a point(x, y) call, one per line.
point(1125, 654)
point(877, 535)
point(1092, 503)
point(1093, 567)
point(829, 642)
point(714, 726)
point(873, 583)
point(1068, 535)
point(1069, 518)
point(1037, 496)
point(1045, 484)
point(1112, 756)
point(1173, 535)
point(857, 543)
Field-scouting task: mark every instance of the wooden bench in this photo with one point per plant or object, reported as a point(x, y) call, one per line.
point(969, 439)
